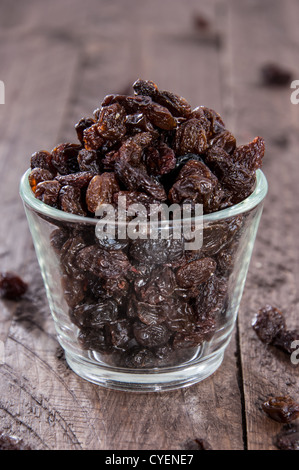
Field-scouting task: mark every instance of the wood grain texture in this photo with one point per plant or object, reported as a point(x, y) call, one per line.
point(58, 61)
point(273, 276)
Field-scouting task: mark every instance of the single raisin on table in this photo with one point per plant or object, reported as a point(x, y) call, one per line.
point(288, 438)
point(197, 444)
point(270, 327)
point(282, 409)
point(12, 287)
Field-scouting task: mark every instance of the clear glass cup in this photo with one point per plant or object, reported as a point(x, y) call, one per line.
point(131, 314)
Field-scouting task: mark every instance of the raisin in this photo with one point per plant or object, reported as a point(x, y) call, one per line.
point(70, 200)
point(160, 160)
point(139, 358)
point(78, 180)
point(284, 340)
point(190, 138)
point(102, 263)
point(38, 175)
point(157, 288)
point(138, 122)
point(197, 184)
point(64, 158)
point(151, 335)
point(201, 333)
point(47, 192)
point(111, 122)
point(156, 251)
point(73, 290)
point(268, 322)
point(94, 315)
point(95, 339)
point(288, 438)
point(224, 140)
point(92, 139)
point(100, 190)
point(42, 159)
point(8, 442)
point(211, 298)
point(176, 104)
point(197, 444)
point(275, 75)
point(137, 179)
point(12, 287)
point(89, 161)
point(195, 272)
point(82, 124)
point(282, 409)
point(150, 314)
point(160, 117)
point(180, 317)
point(58, 238)
point(250, 155)
point(145, 87)
point(121, 334)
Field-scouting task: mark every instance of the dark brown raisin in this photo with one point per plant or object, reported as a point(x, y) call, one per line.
point(190, 138)
point(78, 180)
point(82, 124)
point(196, 183)
point(275, 75)
point(288, 438)
point(151, 335)
point(111, 122)
point(12, 443)
point(92, 139)
point(100, 191)
point(12, 287)
point(70, 200)
point(94, 315)
point(197, 444)
point(283, 409)
point(268, 322)
point(250, 155)
point(38, 175)
point(47, 192)
point(89, 160)
point(64, 158)
point(102, 263)
point(195, 272)
point(42, 159)
point(160, 117)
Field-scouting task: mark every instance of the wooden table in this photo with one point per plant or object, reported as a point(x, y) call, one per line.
point(57, 61)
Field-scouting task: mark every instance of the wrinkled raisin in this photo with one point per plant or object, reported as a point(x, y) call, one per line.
point(47, 192)
point(100, 190)
point(282, 409)
point(12, 287)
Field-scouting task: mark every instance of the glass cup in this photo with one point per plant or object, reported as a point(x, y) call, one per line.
point(144, 314)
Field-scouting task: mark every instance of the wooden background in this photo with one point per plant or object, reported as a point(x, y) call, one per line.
point(58, 59)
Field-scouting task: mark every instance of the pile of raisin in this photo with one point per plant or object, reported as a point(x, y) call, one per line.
point(145, 303)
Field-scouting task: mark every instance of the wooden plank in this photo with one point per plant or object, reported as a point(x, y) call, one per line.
point(260, 32)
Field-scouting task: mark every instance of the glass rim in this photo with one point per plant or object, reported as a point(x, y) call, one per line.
point(253, 200)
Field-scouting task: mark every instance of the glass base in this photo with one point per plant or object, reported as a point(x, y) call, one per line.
point(154, 380)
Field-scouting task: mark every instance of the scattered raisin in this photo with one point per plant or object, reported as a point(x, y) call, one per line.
point(288, 438)
point(12, 287)
point(275, 75)
point(282, 409)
